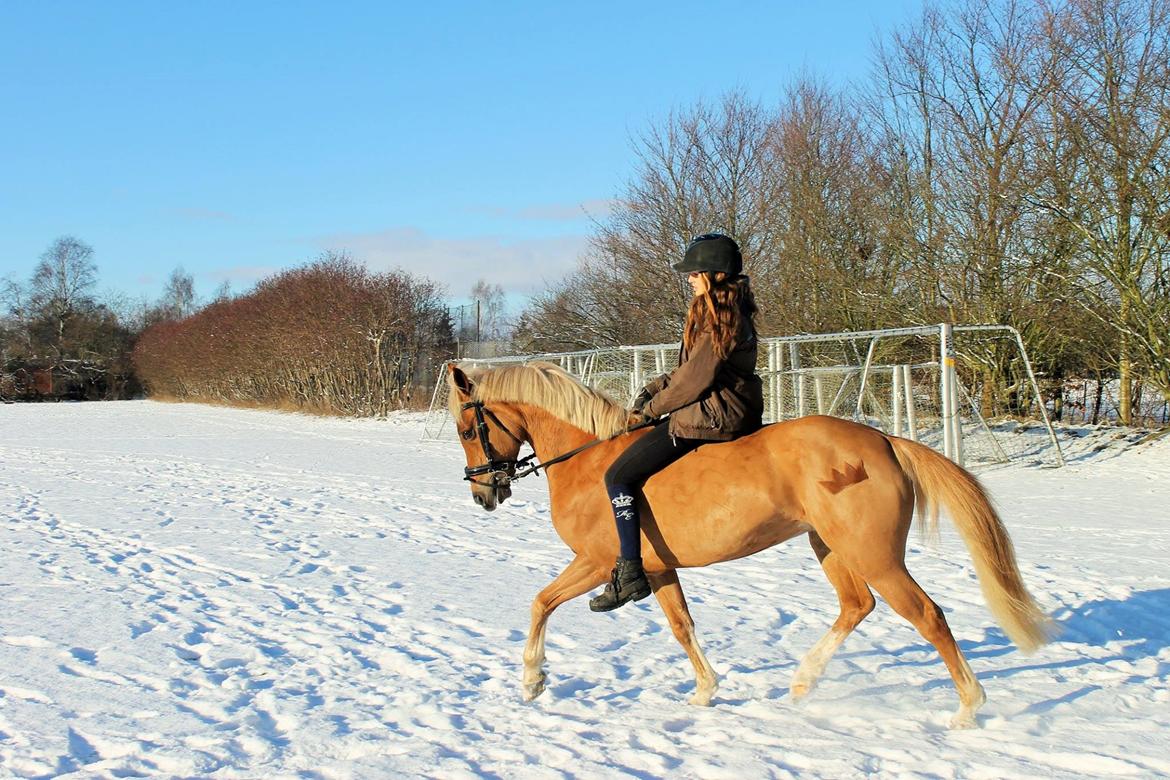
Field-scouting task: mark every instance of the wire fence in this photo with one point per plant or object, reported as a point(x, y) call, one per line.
point(894, 380)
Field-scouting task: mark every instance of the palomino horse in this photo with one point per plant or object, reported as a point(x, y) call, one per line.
point(851, 488)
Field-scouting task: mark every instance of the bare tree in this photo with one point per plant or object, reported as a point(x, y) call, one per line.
point(905, 137)
point(179, 294)
point(1115, 196)
point(961, 110)
point(826, 268)
point(797, 187)
point(1009, 164)
point(62, 282)
point(490, 311)
point(700, 170)
point(14, 333)
point(13, 300)
point(57, 329)
point(10, 294)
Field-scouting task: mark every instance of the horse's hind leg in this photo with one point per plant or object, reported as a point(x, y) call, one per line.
point(908, 599)
point(580, 576)
point(670, 596)
point(856, 602)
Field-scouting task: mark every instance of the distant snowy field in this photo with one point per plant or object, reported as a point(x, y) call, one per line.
point(195, 591)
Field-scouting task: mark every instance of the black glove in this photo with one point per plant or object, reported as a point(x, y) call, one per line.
point(640, 400)
point(636, 417)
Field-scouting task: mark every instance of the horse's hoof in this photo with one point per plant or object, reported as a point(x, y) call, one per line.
point(964, 719)
point(701, 698)
point(798, 690)
point(534, 688)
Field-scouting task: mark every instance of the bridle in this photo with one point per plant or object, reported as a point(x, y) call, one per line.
point(505, 471)
point(502, 471)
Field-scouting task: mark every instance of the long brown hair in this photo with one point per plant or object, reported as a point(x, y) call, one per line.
point(722, 310)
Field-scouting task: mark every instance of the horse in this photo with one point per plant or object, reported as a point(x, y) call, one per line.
point(849, 487)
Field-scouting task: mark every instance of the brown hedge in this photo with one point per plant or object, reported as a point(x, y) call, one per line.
point(331, 337)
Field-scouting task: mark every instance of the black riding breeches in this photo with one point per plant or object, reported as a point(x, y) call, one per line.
point(624, 479)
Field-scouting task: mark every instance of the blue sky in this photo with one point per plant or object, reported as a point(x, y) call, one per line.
point(449, 139)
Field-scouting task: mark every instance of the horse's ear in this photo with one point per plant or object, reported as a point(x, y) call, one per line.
point(458, 379)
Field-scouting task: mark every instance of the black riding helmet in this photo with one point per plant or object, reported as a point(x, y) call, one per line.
point(711, 252)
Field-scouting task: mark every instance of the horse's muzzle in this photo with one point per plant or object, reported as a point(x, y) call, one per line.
point(498, 490)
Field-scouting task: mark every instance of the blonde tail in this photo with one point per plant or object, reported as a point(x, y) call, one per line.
point(939, 481)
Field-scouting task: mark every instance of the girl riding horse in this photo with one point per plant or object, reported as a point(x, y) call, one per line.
point(713, 395)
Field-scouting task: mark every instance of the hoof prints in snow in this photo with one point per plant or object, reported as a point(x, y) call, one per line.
point(251, 594)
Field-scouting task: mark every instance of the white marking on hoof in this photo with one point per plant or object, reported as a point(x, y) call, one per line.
point(535, 687)
point(812, 666)
point(800, 688)
point(964, 719)
point(704, 692)
point(701, 698)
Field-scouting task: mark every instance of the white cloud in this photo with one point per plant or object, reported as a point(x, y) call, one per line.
point(520, 266)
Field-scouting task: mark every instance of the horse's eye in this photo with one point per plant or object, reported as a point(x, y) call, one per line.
point(468, 434)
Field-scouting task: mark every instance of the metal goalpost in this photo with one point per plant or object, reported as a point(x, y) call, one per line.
point(904, 381)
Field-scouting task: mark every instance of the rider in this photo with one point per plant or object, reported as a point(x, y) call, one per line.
point(713, 395)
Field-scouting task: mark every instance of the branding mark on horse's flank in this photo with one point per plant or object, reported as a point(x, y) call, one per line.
point(850, 475)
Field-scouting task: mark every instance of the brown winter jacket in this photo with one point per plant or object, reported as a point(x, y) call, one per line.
point(708, 398)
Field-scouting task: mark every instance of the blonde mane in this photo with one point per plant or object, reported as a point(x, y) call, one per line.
point(549, 387)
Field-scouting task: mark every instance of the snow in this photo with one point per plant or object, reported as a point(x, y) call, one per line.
point(198, 591)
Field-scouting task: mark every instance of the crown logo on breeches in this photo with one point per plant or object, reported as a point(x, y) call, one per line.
point(623, 500)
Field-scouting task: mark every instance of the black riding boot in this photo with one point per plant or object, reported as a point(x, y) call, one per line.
point(627, 583)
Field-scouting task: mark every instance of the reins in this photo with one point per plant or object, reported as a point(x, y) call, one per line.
point(505, 472)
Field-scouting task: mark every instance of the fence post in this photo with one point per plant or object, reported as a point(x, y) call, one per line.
point(896, 398)
point(859, 412)
point(772, 382)
point(1039, 398)
point(956, 411)
point(636, 375)
point(797, 377)
point(946, 364)
point(781, 388)
point(911, 412)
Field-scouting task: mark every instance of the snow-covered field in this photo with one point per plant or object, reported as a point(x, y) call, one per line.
point(194, 591)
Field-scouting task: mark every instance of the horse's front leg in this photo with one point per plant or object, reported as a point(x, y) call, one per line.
point(670, 596)
point(581, 576)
